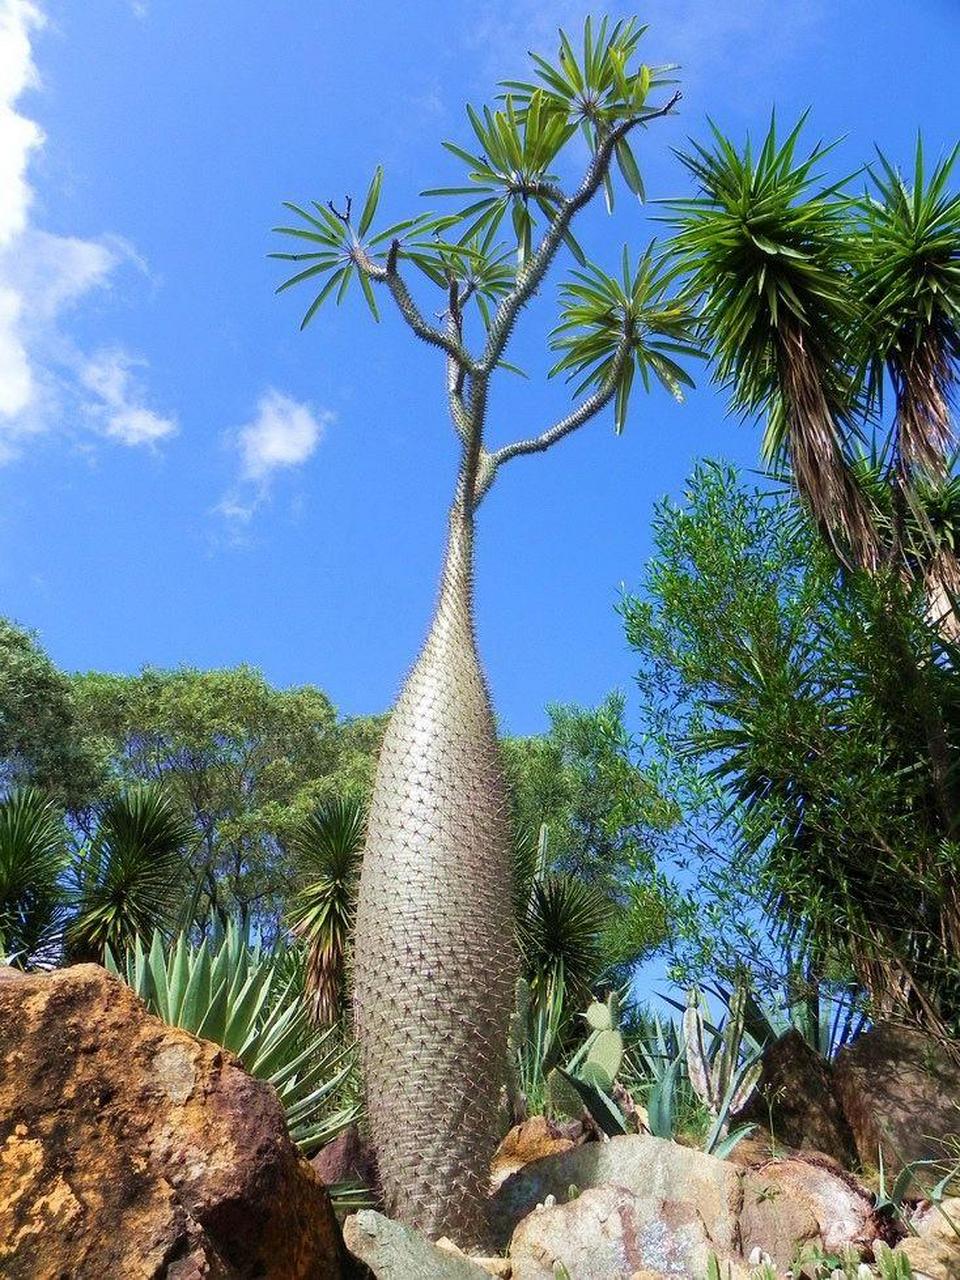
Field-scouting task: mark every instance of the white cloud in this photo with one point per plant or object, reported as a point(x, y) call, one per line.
point(45, 379)
point(284, 434)
point(119, 408)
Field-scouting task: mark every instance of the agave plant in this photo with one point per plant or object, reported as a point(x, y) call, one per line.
point(327, 849)
point(131, 876)
point(764, 245)
point(245, 999)
point(32, 862)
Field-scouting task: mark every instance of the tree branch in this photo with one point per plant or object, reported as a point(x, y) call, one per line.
point(490, 463)
point(536, 269)
point(390, 276)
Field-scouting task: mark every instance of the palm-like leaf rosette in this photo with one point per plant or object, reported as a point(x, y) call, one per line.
point(764, 246)
point(909, 279)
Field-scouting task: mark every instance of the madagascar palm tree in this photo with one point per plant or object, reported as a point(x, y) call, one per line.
point(765, 248)
point(327, 848)
point(132, 875)
point(32, 863)
point(435, 958)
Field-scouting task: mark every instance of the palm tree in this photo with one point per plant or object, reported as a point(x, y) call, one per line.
point(327, 849)
point(132, 876)
point(32, 862)
point(435, 959)
point(764, 246)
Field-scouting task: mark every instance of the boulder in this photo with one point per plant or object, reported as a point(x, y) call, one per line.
point(934, 1252)
point(611, 1233)
point(131, 1149)
point(899, 1089)
point(670, 1182)
point(796, 1101)
point(526, 1142)
point(395, 1252)
point(806, 1199)
point(346, 1159)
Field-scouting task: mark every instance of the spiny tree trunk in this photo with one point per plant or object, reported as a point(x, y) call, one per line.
point(434, 958)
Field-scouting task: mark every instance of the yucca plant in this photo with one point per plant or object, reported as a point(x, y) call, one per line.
point(908, 260)
point(245, 999)
point(327, 848)
point(132, 875)
point(33, 857)
point(434, 964)
point(764, 245)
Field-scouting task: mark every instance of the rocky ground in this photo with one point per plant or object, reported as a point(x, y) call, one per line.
point(132, 1150)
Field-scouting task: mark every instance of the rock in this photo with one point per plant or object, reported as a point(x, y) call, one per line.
point(526, 1142)
point(934, 1252)
point(899, 1087)
point(795, 1099)
point(346, 1159)
point(130, 1149)
point(395, 1252)
point(806, 1199)
point(756, 1148)
point(611, 1233)
point(658, 1172)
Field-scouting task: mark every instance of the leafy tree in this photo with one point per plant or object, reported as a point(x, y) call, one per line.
point(791, 707)
point(601, 816)
point(40, 740)
point(245, 761)
point(434, 964)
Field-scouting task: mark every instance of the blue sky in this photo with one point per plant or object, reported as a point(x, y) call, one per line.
point(185, 478)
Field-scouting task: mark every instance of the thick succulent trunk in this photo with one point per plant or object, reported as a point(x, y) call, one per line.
point(434, 956)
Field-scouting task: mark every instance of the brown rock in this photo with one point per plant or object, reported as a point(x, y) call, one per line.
point(796, 1101)
point(130, 1149)
point(393, 1251)
point(658, 1172)
point(526, 1142)
point(806, 1199)
point(346, 1159)
point(934, 1253)
point(610, 1233)
point(900, 1089)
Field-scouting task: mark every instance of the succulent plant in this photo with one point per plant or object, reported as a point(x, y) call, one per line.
point(590, 1077)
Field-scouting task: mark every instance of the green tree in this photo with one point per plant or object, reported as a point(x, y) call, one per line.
point(434, 963)
point(33, 858)
point(791, 706)
point(247, 763)
point(40, 740)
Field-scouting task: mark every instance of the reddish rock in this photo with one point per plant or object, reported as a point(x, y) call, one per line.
point(526, 1142)
point(346, 1159)
point(806, 1199)
point(795, 1099)
point(130, 1149)
point(899, 1089)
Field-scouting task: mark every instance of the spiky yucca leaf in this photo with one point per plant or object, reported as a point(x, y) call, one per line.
point(131, 877)
point(327, 849)
point(560, 935)
point(240, 996)
point(32, 861)
point(909, 275)
point(764, 247)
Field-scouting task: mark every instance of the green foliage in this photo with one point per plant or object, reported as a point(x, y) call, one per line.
point(804, 722)
point(41, 742)
point(132, 876)
point(587, 1081)
point(246, 762)
point(249, 1001)
point(327, 851)
point(560, 931)
point(763, 247)
point(723, 1069)
point(596, 310)
point(33, 857)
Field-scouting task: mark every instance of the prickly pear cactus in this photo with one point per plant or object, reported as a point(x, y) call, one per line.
point(434, 959)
